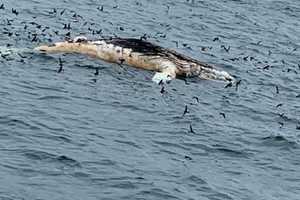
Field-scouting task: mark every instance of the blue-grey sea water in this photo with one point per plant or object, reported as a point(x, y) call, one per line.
point(75, 135)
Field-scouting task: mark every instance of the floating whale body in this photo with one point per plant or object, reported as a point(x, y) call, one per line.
point(168, 64)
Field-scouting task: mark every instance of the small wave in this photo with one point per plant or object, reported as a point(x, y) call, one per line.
point(49, 157)
point(14, 122)
point(232, 152)
point(53, 97)
point(196, 180)
point(280, 141)
point(156, 193)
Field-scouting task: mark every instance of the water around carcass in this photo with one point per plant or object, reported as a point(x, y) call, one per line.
point(77, 135)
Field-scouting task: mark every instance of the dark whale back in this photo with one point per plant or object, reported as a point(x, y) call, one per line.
point(137, 45)
point(149, 49)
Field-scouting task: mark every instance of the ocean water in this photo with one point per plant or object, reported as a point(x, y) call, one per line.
point(117, 135)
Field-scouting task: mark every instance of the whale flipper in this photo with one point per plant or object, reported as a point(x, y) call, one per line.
point(167, 74)
point(161, 77)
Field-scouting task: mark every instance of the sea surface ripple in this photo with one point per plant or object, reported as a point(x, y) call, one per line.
point(74, 135)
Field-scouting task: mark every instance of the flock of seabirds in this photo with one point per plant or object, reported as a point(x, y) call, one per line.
point(136, 52)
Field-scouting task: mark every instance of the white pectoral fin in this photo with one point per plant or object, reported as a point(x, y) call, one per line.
point(164, 77)
point(161, 77)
